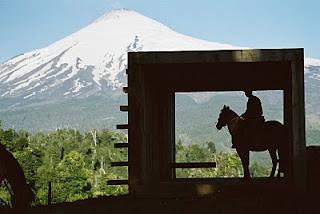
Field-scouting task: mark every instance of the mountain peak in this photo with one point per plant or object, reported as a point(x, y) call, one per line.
point(116, 14)
point(92, 61)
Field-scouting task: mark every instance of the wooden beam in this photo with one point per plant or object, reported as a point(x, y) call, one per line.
point(216, 56)
point(117, 182)
point(121, 145)
point(124, 108)
point(194, 165)
point(125, 89)
point(119, 163)
point(123, 126)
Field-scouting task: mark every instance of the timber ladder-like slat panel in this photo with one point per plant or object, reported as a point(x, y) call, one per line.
point(125, 90)
point(123, 108)
point(119, 163)
point(121, 145)
point(194, 165)
point(117, 182)
point(123, 126)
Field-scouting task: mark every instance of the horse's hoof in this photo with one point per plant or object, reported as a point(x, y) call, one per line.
point(247, 179)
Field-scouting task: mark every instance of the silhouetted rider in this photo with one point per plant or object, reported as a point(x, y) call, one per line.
point(252, 118)
point(254, 108)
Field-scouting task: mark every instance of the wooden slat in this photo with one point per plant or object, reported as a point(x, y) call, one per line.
point(119, 163)
point(124, 108)
point(121, 145)
point(123, 126)
point(125, 89)
point(220, 56)
point(194, 165)
point(117, 182)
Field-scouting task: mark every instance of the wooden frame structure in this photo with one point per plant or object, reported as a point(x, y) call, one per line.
point(153, 79)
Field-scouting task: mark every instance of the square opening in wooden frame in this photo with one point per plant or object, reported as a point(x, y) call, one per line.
point(197, 140)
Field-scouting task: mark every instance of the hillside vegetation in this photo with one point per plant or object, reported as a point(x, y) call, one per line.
point(78, 164)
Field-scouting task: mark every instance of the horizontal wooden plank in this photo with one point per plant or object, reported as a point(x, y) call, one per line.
point(119, 163)
point(125, 89)
point(194, 165)
point(123, 126)
point(121, 145)
point(215, 56)
point(233, 181)
point(124, 108)
point(118, 182)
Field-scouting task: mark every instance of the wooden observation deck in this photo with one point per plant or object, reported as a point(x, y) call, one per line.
point(155, 77)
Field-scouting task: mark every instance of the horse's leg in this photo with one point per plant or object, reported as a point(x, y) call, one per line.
point(282, 154)
point(280, 165)
point(244, 157)
point(279, 172)
point(273, 155)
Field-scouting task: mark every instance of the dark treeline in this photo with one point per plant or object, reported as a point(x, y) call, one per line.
point(78, 164)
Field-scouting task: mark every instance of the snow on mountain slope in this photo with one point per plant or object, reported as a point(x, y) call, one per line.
point(312, 69)
point(93, 59)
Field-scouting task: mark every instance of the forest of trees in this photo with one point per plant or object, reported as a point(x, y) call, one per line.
point(78, 164)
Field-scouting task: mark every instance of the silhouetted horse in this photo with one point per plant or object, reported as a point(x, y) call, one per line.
point(270, 135)
point(11, 171)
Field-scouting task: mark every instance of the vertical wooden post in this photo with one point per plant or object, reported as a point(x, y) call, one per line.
point(49, 193)
point(287, 107)
point(136, 119)
point(298, 120)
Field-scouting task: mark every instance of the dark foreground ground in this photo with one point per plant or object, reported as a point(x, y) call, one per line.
point(235, 199)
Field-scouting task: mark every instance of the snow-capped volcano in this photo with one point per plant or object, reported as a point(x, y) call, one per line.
point(93, 59)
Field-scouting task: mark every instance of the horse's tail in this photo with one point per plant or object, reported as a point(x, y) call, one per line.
point(283, 150)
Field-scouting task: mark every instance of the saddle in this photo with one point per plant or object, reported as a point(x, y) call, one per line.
point(250, 132)
point(253, 133)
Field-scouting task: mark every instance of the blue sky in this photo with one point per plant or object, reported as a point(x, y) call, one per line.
point(29, 24)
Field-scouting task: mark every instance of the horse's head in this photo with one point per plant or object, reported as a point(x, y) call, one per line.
point(223, 117)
